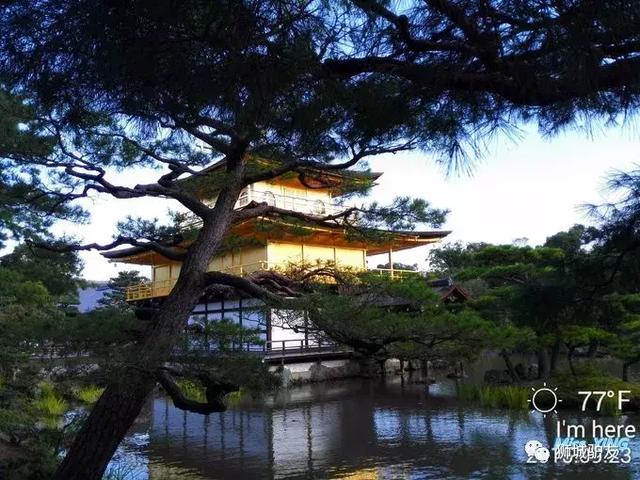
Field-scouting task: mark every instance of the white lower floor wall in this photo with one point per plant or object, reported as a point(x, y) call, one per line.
point(275, 328)
point(289, 328)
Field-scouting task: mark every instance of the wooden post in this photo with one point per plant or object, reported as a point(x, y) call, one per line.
point(391, 261)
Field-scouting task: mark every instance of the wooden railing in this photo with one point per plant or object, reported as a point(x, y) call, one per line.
point(270, 348)
point(145, 290)
point(288, 347)
point(396, 273)
point(311, 206)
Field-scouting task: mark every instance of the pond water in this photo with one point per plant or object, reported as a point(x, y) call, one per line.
point(355, 429)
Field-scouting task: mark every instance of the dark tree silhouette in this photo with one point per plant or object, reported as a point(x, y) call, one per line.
point(115, 84)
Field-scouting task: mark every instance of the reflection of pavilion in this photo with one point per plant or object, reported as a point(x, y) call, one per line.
point(346, 430)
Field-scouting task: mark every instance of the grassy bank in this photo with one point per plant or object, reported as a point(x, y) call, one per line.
point(515, 397)
point(508, 397)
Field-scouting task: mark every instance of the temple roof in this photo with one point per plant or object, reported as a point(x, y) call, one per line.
point(339, 182)
point(276, 227)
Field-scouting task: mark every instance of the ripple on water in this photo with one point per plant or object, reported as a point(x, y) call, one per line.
point(355, 429)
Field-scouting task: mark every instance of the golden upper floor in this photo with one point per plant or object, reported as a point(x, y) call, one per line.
point(308, 190)
point(264, 243)
point(273, 241)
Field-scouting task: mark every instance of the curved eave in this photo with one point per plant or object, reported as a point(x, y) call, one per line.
point(338, 182)
point(135, 256)
point(326, 234)
point(405, 241)
point(321, 234)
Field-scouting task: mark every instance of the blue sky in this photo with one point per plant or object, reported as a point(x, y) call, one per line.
point(531, 188)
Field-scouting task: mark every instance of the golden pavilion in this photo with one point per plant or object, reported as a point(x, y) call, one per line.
point(271, 242)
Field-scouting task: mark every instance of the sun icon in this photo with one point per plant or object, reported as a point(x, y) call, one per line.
point(547, 395)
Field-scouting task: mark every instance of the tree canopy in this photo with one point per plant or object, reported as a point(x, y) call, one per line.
point(578, 290)
point(324, 85)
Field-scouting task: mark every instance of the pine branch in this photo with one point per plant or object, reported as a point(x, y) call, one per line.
point(166, 250)
point(215, 392)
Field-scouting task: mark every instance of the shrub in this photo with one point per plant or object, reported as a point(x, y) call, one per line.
point(89, 394)
point(192, 390)
point(508, 397)
point(48, 402)
point(51, 405)
point(569, 386)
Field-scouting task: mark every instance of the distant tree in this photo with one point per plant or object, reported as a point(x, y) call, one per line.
point(30, 321)
point(546, 290)
point(115, 297)
point(58, 272)
point(399, 266)
point(28, 313)
point(624, 310)
point(381, 318)
point(451, 259)
point(37, 337)
point(520, 242)
point(616, 242)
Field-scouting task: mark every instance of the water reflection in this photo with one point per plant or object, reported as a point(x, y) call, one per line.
point(353, 429)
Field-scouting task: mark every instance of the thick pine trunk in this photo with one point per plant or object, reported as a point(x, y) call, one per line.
point(625, 369)
point(570, 361)
point(543, 363)
point(103, 431)
point(555, 354)
point(120, 404)
point(510, 368)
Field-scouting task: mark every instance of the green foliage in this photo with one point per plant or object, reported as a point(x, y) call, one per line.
point(88, 394)
point(51, 405)
point(137, 227)
point(192, 390)
point(48, 402)
point(18, 422)
point(626, 309)
point(35, 322)
point(592, 380)
point(539, 298)
point(230, 363)
point(404, 213)
point(248, 371)
point(59, 273)
point(115, 297)
point(399, 266)
point(28, 317)
point(222, 335)
point(384, 318)
point(106, 333)
point(26, 211)
point(609, 407)
point(506, 397)
point(31, 427)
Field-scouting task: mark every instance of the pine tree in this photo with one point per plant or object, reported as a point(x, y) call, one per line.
point(146, 83)
point(115, 296)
